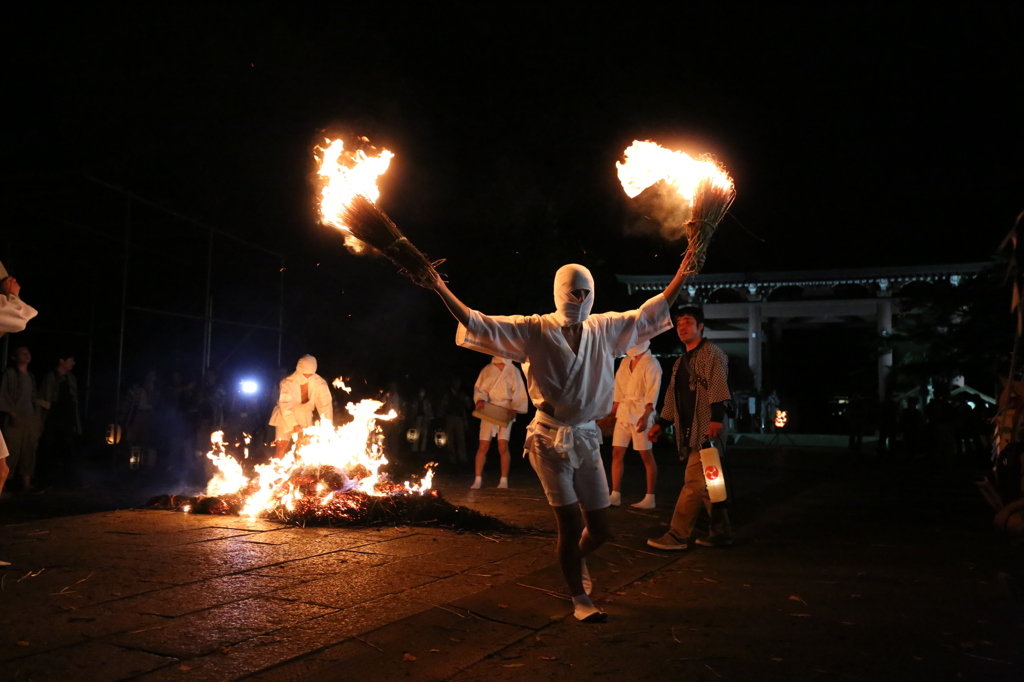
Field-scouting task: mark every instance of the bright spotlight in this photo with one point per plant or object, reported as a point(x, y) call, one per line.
point(249, 387)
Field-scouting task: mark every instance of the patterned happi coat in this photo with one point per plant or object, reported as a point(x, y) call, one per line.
point(710, 364)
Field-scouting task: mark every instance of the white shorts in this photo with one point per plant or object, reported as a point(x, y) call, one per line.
point(489, 430)
point(625, 433)
point(564, 484)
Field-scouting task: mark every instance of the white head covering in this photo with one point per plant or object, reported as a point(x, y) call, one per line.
point(638, 349)
point(569, 278)
point(306, 365)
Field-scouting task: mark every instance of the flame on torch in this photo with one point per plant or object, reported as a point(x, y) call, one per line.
point(340, 383)
point(694, 195)
point(345, 174)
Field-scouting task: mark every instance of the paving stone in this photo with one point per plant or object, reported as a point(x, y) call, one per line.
point(205, 631)
point(288, 644)
point(28, 632)
point(441, 592)
point(354, 587)
point(179, 600)
point(323, 565)
point(432, 645)
point(516, 605)
point(93, 661)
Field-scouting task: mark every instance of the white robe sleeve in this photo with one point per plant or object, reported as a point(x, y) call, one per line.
point(286, 403)
point(621, 379)
point(507, 336)
point(323, 401)
point(628, 329)
point(14, 313)
point(652, 382)
point(480, 387)
point(519, 396)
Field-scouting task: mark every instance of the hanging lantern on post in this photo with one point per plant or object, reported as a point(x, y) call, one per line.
point(412, 435)
point(440, 438)
point(714, 477)
point(113, 434)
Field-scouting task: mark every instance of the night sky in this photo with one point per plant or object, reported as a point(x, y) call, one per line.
point(855, 137)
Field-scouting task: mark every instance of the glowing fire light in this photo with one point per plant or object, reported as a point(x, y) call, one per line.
point(345, 174)
point(780, 418)
point(352, 452)
point(340, 383)
point(648, 162)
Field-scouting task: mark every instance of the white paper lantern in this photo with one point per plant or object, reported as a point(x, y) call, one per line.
point(714, 477)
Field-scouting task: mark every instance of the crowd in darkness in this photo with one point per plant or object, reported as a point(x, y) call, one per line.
point(41, 422)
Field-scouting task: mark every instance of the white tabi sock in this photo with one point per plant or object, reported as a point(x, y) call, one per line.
point(588, 584)
point(503, 483)
point(646, 503)
point(615, 498)
point(585, 611)
point(477, 482)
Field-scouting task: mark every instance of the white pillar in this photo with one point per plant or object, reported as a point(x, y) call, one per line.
point(754, 340)
point(885, 331)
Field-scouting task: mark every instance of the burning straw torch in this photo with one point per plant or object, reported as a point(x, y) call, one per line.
point(348, 202)
point(691, 196)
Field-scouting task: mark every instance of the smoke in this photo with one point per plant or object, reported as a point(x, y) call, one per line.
point(663, 212)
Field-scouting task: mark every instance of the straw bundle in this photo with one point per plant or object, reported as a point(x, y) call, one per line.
point(371, 225)
point(710, 203)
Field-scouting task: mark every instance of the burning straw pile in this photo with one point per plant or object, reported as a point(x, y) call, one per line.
point(353, 508)
point(347, 201)
point(332, 476)
point(691, 195)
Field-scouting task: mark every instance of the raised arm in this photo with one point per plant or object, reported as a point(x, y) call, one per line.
point(459, 309)
point(671, 292)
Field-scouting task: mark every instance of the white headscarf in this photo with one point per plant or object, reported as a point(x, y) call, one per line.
point(306, 365)
point(638, 349)
point(569, 278)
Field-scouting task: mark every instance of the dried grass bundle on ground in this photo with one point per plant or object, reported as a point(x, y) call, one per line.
point(371, 225)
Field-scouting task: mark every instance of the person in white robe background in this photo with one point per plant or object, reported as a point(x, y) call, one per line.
point(637, 383)
point(500, 383)
point(568, 357)
point(14, 315)
point(301, 393)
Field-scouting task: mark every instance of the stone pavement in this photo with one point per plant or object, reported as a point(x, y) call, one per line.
point(837, 573)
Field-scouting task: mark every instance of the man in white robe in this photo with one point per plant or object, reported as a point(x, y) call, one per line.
point(301, 393)
point(569, 360)
point(14, 315)
point(501, 384)
point(637, 383)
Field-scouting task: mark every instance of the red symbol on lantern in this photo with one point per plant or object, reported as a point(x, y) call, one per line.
point(711, 473)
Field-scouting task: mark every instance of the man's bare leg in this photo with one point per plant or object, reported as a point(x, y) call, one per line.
point(506, 460)
point(481, 458)
point(652, 479)
point(576, 540)
point(618, 465)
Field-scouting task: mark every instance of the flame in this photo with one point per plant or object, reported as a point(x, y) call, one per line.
point(346, 174)
point(340, 383)
point(352, 451)
point(780, 418)
point(647, 163)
